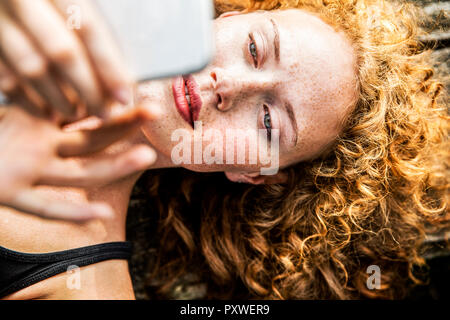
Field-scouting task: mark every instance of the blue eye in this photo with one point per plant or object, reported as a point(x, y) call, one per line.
point(253, 50)
point(267, 121)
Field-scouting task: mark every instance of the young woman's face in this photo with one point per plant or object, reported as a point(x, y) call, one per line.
point(284, 70)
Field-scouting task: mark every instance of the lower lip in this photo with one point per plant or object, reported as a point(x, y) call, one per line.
point(188, 114)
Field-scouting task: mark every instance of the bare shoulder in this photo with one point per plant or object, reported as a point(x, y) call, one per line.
point(30, 234)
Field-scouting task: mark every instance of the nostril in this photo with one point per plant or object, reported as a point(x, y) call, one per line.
point(219, 102)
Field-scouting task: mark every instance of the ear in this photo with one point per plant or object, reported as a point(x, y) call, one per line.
point(229, 14)
point(256, 178)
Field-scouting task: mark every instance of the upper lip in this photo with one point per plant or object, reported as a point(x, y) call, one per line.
point(189, 111)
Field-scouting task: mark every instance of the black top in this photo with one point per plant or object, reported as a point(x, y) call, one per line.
point(20, 270)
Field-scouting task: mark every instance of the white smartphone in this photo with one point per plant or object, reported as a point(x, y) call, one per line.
point(161, 38)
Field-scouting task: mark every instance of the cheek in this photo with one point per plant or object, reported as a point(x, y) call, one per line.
point(316, 131)
point(233, 131)
point(242, 116)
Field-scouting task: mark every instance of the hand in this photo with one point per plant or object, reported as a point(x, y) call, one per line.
point(54, 67)
point(35, 151)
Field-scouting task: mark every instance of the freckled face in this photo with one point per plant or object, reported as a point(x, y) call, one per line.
point(284, 70)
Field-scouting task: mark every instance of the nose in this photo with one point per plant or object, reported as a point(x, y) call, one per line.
point(231, 87)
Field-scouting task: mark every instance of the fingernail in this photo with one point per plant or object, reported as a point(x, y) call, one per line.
point(123, 95)
point(146, 156)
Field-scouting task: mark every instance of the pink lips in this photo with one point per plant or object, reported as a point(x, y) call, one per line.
point(189, 114)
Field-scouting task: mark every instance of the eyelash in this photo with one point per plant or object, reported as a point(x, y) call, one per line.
point(269, 127)
point(255, 48)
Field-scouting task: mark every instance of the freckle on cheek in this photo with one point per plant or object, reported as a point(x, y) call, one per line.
point(294, 66)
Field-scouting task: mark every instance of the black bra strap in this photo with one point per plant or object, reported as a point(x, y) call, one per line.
point(20, 270)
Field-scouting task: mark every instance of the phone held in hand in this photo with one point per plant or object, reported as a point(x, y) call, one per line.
point(161, 38)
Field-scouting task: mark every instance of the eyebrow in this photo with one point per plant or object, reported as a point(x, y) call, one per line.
point(276, 40)
point(290, 111)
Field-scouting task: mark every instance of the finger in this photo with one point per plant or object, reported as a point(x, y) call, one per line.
point(25, 59)
point(65, 50)
point(54, 96)
point(10, 86)
point(26, 98)
point(80, 143)
point(31, 201)
point(97, 172)
point(8, 81)
point(22, 101)
point(102, 49)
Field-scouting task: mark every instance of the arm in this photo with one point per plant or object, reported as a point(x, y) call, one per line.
point(20, 231)
point(103, 280)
